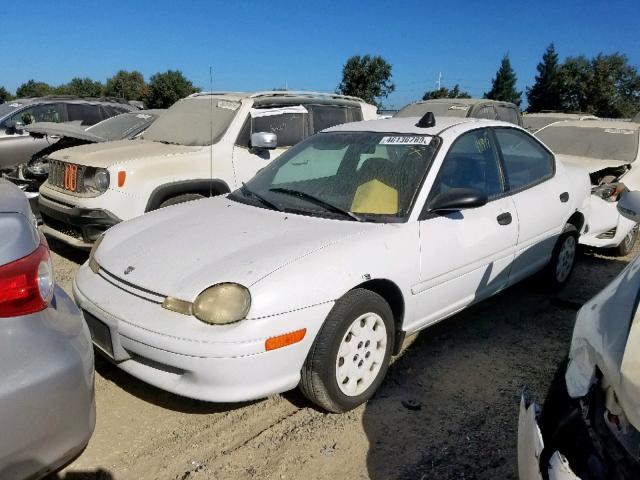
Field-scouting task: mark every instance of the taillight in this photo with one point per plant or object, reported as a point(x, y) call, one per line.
point(26, 284)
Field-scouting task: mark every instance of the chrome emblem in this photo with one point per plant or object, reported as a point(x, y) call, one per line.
point(129, 269)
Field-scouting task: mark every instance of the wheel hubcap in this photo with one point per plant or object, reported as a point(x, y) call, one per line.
point(566, 258)
point(361, 354)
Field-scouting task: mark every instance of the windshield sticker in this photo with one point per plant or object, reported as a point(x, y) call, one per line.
point(143, 116)
point(619, 130)
point(227, 105)
point(482, 144)
point(459, 107)
point(15, 105)
point(405, 140)
point(268, 112)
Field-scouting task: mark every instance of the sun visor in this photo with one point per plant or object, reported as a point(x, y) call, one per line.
point(269, 112)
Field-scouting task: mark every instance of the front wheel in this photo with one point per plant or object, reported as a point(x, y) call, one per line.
point(627, 244)
point(350, 356)
point(563, 259)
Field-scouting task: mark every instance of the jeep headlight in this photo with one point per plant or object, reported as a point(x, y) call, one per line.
point(217, 305)
point(98, 181)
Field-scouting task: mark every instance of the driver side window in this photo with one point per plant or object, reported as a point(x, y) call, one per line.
point(37, 113)
point(471, 162)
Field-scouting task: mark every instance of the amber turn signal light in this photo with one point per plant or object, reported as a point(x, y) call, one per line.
point(280, 341)
point(122, 176)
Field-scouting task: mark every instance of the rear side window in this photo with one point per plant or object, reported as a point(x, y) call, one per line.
point(471, 162)
point(83, 113)
point(507, 114)
point(485, 112)
point(325, 116)
point(526, 162)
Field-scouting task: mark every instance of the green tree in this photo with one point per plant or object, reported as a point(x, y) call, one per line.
point(504, 84)
point(606, 85)
point(4, 94)
point(444, 92)
point(366, 77)
point(127, 85)
point(545, 92)
point(33, 89)
point(81, 87)
point(167, 88)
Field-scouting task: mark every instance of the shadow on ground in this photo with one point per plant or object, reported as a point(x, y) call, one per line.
point(156, 396)
point(449, 405)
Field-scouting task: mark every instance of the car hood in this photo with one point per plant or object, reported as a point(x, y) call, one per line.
point(607, 336)
point(108, 153)
point(181, 250)
point(591, 164)
point(63, 130)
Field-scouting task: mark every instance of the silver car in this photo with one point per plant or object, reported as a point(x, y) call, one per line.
point(47, 405)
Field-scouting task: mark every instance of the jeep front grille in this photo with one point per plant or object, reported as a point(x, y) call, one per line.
point(67, 176)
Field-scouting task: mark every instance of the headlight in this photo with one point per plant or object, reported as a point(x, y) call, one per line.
point(98, 181)
point(39, 166)
point(93, 264)
point(218, 305)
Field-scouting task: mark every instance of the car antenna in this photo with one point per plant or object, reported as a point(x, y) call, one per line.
point(427, 121)
point(210, 131)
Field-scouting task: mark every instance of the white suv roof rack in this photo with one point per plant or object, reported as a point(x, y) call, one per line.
point(282, 93)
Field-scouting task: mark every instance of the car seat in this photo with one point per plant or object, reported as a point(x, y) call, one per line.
point(377, 191)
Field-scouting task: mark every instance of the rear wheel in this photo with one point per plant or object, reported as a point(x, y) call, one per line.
point(187, 197)
point(563, 259)
point(350, 356)
point(627, 244)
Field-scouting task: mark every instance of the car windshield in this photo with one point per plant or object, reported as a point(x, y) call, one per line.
point(121, 126)
point(439, 109)
point(194, 121)
point(7, 108)
point(348, 175)
point(610, 143)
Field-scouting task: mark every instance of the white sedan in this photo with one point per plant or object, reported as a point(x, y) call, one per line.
point(314, 271)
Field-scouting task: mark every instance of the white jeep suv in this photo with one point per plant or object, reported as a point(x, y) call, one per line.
point(206, 144)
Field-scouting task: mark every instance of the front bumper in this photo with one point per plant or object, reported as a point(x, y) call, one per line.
point(607, 228)
point(530, 447)
point(77, 226)
point(47, 404)
point(179, 354)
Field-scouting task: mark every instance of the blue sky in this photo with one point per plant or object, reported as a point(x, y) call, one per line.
point(261, 45)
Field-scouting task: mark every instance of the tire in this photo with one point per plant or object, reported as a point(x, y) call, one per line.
point(187, 197)
point(326, 362)
point(563, 260)
point(627, 244)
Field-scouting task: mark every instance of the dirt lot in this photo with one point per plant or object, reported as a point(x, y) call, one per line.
point(461, 378)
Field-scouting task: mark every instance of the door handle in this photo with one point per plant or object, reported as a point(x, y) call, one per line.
point(504, 218)
point(564, 197)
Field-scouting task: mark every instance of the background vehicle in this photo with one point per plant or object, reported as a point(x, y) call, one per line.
point(416, 219)
point(590, 422)
point(30, 175)
point(610, 152)
point(206, 144)
point(535, 121)
point(17, 146)
point(47, 408)
point(464, 107)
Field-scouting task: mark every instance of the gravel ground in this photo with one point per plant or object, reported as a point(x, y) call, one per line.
point(447, 409)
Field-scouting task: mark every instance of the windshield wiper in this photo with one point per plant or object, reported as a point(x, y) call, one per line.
point(317, 201)
point(244, 189)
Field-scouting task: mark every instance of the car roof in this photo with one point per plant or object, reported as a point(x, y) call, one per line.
point(595, 124)
point(294, 94)
point(465, 101)
point(72, 99)
point(402, 125)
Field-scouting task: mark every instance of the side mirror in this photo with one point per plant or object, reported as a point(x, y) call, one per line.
point(629, 205)
point(263, 141)
point(457, 199)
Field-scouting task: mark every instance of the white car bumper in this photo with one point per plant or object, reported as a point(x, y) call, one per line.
point(607, 228)
point(530, 445)
point(230, 364)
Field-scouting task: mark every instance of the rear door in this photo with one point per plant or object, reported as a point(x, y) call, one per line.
point(541, 201)
point(466, 255)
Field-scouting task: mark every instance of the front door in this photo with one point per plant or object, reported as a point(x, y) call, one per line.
point(466, 255)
